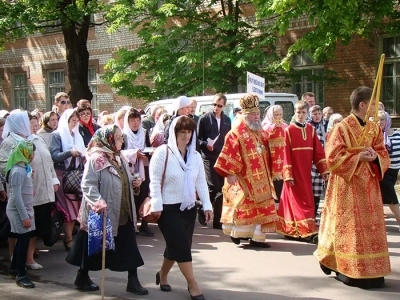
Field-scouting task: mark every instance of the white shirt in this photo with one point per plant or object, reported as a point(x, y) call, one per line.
point(172, 190)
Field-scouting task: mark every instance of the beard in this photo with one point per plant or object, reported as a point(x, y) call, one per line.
point(254, 125)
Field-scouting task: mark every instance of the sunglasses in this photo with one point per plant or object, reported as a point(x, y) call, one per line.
point(85, 114)
point(65, 102)
point(219, 105)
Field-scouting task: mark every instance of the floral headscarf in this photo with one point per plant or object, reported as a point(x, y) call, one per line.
point(22, 151)
point(103, 140)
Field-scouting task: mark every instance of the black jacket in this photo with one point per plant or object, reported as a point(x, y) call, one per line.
point(85, 133)
point(208, 128)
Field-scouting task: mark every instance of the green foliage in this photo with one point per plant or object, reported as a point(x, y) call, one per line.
point(21, 18)
point(332, 21)
point(188, 46)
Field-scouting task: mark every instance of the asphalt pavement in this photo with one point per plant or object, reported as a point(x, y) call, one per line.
point(288, 270)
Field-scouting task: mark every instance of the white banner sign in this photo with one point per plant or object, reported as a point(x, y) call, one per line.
point(255, 85)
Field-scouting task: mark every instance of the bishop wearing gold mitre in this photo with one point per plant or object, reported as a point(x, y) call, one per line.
point(352, 234)
point(248, 210)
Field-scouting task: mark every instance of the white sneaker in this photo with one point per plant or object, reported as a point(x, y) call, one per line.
point(34, 266)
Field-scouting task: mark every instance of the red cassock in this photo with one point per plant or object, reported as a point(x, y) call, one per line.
point(296, 208)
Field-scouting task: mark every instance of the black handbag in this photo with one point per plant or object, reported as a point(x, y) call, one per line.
point(56, 222)
point(72, 179)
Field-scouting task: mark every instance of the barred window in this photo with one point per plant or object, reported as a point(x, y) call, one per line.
point(92, 82)
point(309, 73)
point(56, 84)
point(20, 91)
point(391, 75)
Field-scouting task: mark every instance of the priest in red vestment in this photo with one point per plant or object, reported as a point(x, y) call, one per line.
point(248, 194)
point(352, 234)
point(302, 148)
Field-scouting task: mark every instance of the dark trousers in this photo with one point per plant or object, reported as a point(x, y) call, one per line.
point(19, 255)
point(316, 205)
point(215, 183)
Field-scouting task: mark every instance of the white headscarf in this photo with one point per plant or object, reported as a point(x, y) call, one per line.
point(180, 102)
point(189, 192)
point(159, 127)
point(135, 141)
point(4, 113)
point(17, 124)
point(67, 140)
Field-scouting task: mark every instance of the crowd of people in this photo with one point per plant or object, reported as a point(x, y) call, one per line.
point(249, 176)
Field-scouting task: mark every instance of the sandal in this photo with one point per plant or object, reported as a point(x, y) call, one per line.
point(67, 244)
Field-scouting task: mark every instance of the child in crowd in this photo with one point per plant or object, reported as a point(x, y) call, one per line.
point(296, 208)
point(20, 207)
point(275, 126)
point(318, 182)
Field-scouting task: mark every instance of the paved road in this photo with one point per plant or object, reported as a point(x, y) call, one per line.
point(287, 270)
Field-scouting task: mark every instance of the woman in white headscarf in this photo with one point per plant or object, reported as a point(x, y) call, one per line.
point(157, 135)
point(174, 202)
point(181, 108)
point(16, 128)
point(65, 143)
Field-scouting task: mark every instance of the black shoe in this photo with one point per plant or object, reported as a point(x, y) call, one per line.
point(83, 282)
point(201, 217)
point(13, 273)
point(24, 282)
point(163, 287)
point(135, 287)
point(198, 297)
point(145, 230)
point(235, 240)
point(259, 244)
point(217, 225)
point(314, 239)
point(326, 270)
point(371, 283)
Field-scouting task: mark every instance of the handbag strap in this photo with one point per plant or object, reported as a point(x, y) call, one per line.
point(165, 166)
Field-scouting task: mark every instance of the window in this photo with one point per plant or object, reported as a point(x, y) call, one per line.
point(56, 84)
point(20, 91)
point(308, 78)
point(92, 82)
point(391, 75)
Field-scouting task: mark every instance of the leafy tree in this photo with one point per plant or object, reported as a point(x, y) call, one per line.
point(189, 46)
point(333, 20)
point(20, 18)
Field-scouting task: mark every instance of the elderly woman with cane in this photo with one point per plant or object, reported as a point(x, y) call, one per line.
point(107, 186)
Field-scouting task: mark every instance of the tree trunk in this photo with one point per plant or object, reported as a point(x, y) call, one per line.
point(75, 38)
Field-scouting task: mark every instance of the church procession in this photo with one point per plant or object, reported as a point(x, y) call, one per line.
point(250, 174)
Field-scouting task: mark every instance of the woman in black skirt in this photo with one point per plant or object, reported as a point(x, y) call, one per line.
point(107, 185)
point(392, 142)
point(173, 199)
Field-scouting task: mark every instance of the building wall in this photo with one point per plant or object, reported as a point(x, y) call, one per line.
point(37, 54)
point(355, 64)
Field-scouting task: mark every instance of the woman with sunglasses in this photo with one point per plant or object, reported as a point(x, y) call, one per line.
point(86, 126)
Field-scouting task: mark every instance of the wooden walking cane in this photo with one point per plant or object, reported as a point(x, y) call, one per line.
point(103, 256)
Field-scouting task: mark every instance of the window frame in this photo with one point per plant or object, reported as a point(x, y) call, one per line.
point(93, 87)
point(16, 89)
point(50, 86)
point(308, 65)
point(392, 106)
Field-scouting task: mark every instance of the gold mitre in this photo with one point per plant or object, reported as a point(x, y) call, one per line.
point(249, 104)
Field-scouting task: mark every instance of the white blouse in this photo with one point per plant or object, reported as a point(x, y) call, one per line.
point(172, 190)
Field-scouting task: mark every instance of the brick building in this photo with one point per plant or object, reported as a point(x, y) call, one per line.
point(33, 70)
